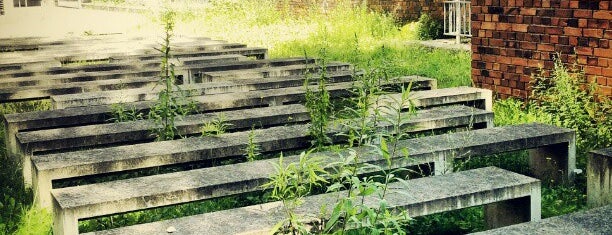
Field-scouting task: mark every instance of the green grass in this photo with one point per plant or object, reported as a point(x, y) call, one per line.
point(354, 35)
point(14, 199)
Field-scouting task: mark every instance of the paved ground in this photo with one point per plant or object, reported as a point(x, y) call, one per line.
point(44, 22)
point(446, 44)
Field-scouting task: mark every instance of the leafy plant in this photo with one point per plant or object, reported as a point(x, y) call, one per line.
point(290, 183)
point(429, 27)
point(171, 99)
point(35, 220)
point(570, 101)
point(253, 149)
point(215, 127)
point(121, 113)
point(350, 212)
point(318, 103)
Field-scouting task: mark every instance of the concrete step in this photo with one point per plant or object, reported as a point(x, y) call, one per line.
point(140, 130)
point(46, 61)
point(480, 98)
point(418, 197)
point(51, 86)
point(267, 72)
point(41, 75)
point(23, 44)
point(255, 52)
point(89, 162)
point(198, 89)
point(593, 221)
point(102, 51)
point(46, 91)
point(90, 115)
point(105, 78)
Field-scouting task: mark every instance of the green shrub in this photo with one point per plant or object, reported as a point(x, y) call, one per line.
point(572, 102)
point(35, 221)
point(429, 27)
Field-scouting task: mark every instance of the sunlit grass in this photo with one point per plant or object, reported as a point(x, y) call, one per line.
point(350, 34)
point(35, 221)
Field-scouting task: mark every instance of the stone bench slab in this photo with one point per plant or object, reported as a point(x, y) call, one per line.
point(65, 74)
point(444, 96)
point(17, 123)
point(267, 72)
point(106, 79)
point(45, 92)
point(136, 131)
point(437, 149)
point(594, 221)
point(91, 135)
point(418, 197)
point(228, 86)
point(95, 161)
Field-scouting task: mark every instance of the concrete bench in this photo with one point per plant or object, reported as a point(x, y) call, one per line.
point(89, 162)
point(71, 204)
point(519, 196)
point(46, 91)
point(90, 115)
point(266, 72)
point(599, 177)
point(111, 80)
point(39, 44)
point(61, 74)
point(255, 52)
point(56, 60)
point(198, 89)
point(594, 221)
point(140, 130)
point(15, 123)
point(68, 54)
point(480, 98)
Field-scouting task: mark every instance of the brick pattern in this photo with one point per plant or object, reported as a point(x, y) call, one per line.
point(409, 10)
point(404, 10)
point(513, 38)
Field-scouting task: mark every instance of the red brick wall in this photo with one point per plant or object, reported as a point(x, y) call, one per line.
point(404, 10)
point(409, 10)
point(512, 38)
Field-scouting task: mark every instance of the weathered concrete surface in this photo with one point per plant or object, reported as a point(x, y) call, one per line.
point(509, 212)
point(227, 86)
point(267, 72)
point(417, 197)
point(241, 119)
point(28, 46)
point(136, 131)
point(482, 98)
point(90, 162)
point(599, 178)
point(257, 52)
point(594, 221)
point(104, 50)
point(65, 74)
point(91, 135)
point(91, 81)
point(97, 199)
point(99, 114)
point(46, 91)
point(47, 61)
